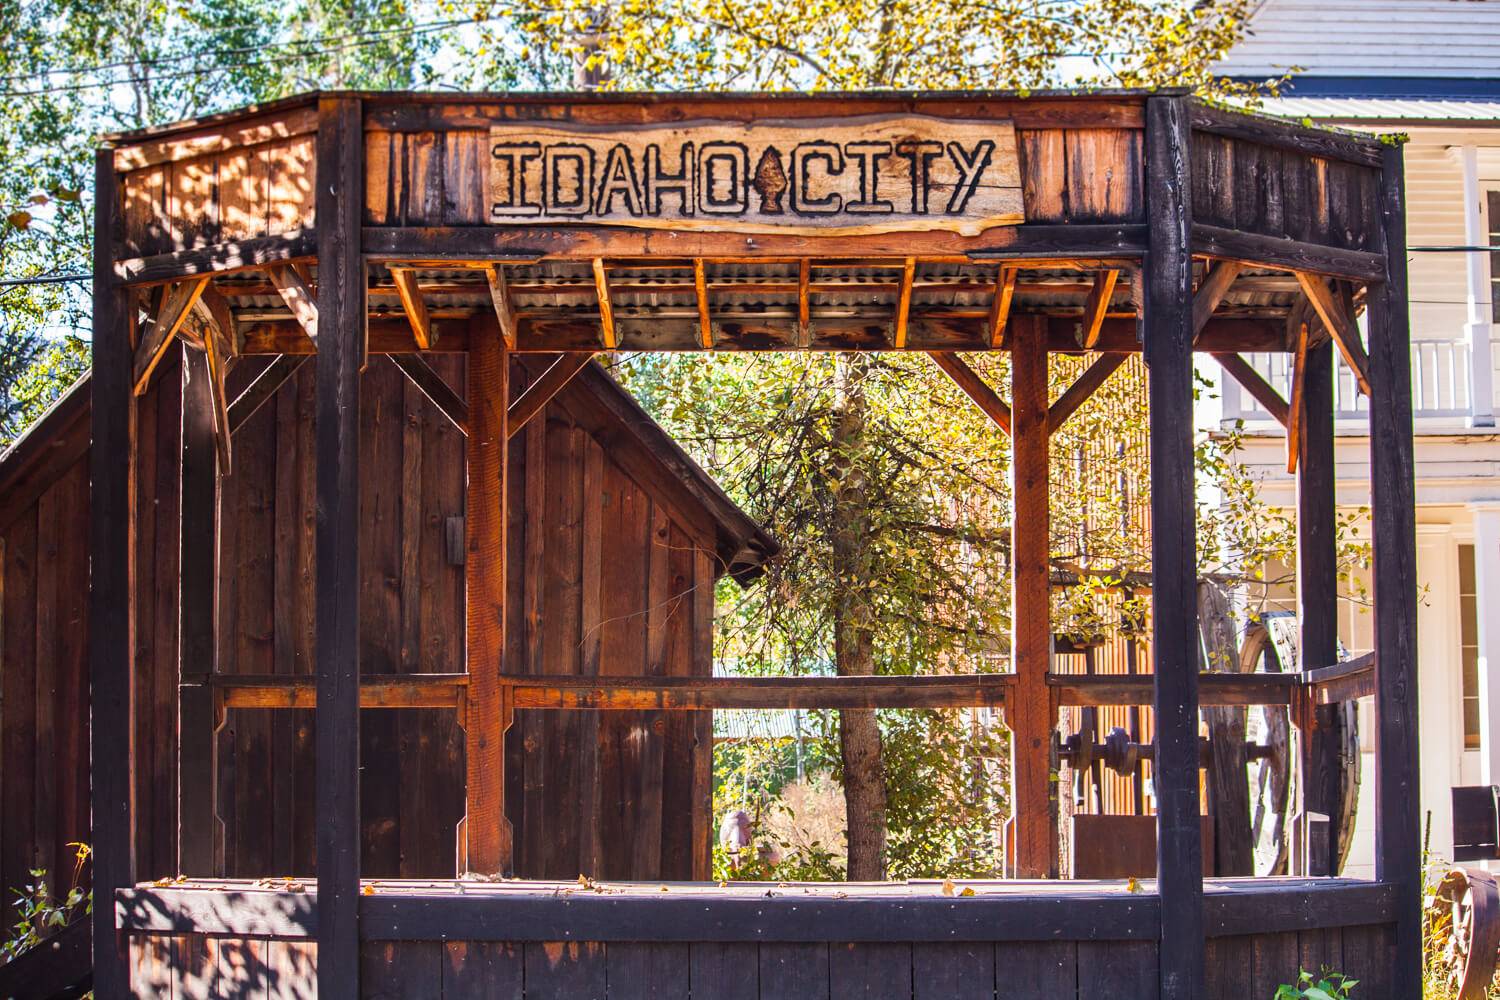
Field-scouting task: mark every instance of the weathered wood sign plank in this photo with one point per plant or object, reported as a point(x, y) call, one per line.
point(833, 176)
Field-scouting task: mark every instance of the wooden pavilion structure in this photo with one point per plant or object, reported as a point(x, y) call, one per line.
point(352, 225)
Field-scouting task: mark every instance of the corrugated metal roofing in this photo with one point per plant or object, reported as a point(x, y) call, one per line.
point(1383, 109)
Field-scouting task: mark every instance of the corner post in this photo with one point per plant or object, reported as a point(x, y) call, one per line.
point(1030, 713)
point(485, 843)
point(1398, 845)
point(198, 545)
point(1317, 612)
point(111, 589)
point(1168, 317)
point(341, 354)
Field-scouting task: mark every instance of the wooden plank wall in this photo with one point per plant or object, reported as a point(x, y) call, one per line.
point(220, 184)
point(1250, 965)
point(1270, 191)
point(605, 578)
point(44, 700)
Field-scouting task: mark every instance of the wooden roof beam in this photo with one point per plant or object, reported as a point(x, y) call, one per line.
point(405, 281)
point(177, 303)
point(1212, 291)
point(437, 390)
point(804, 302)
point(606, 311)
point(1246, 375)
point(1005, 293)
point(216, 350)
point(975, 388)
point(903, 303)
point(1096, 307)
point(265, 386)
point(1294, 408)
point(539, 393)
point(294, 292)
point(1339, 322)
point(1079, 392)
point(500, 299)
point(700, 289)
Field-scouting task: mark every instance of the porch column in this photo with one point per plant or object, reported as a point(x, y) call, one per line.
point(1487, 598)
point(1317, 613)
point(1168, 310)
point(1477, 329)
point(1398, 845)
point(112, 504)
point(341, 355)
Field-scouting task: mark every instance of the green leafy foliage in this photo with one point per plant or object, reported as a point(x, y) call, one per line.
point(40, 913)
point(1326, 986)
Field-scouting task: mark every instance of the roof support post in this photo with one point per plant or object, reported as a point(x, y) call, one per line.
point(198, 543)
point(1030, 709)
point(341, 350)
point(112, 588)
point(1317, 609)
point(1168, 316)
point(1398, 858)
point(485, 838)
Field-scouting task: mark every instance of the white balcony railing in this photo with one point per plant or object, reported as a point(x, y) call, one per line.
point(1439, 384)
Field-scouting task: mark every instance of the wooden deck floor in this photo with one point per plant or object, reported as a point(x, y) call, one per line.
point(531, 940)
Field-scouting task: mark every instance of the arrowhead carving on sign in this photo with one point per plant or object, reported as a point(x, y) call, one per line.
point(770, 181)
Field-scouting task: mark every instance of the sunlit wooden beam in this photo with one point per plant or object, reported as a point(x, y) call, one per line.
point(500, 299)
point(1215, 286)
point(975, 388)
point(1095, 308)
point(1079, 392)
point(1246, 375)
point(177, 302)
point(294, 292)
point(606, 311)
point(437, 390)
point(903, 304)
point(1294, 408)
point(804, 302)
point(539, 393)
point(700, 288)
point(1340, 325)
point(1005, 293)
point(416, 308)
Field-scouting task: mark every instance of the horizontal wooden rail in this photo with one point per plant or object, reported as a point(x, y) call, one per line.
point(1340, 682)
point(1344, 681)
point(1213, 689)
point(397, 691)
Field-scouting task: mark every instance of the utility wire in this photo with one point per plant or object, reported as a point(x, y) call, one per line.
point(241, 50)
point(431, 28)
point(46, 279)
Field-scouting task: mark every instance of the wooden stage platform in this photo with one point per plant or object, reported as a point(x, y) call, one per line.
point(527, 939)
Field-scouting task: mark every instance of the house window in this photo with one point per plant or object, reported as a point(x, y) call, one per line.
point(1492, 200)
point(1468, 637)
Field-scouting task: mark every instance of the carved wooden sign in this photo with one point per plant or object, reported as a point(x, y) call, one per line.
point(831, 176)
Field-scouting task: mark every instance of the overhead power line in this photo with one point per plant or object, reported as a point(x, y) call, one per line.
point(355, 41)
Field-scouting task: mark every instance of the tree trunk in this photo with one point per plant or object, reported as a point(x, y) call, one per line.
point(853, 637)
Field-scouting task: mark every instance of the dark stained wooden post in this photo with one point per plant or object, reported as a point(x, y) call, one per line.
point(486, 842)
point(1393, 496)
point(1029, 711)
point(1318, 604)
point(111, 589)
point(341, 349)
point(1168, 317)
point(198, 543)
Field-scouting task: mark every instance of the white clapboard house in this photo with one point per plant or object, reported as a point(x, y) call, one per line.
point(1431, 69)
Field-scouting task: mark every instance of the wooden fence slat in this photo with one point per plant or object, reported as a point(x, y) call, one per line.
point(794, 971)
point(870, 971)
point(1039, 971)
point(648, 971)
point(401, 970)
point(566, 970)
point(953, 971)
point(493, 969)
point(1119, 969)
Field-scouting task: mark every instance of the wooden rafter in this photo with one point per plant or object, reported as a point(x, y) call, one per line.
point(804, 302)
point(1294, 408)
point(407, 288)
point(1005, 293)
point(177, 303)
point(294, 292)
point(975, 388)
point(1096, 307)
point(1212, 291)
point(700, 288)
point(1246, 375)
point(260, 391)
point(435, 388)
point(539, 393)
point(500, 299)
point(1339, 322)
point(903, 304)
point(213, 306)
point(606, 311)
point(215, 350)
point(1078, 393)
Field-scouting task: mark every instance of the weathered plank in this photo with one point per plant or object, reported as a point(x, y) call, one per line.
point(649, 971)
point(870, 971)
point(944, 971)
point(566, 970)
point(484, 968)
point(794, 971)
